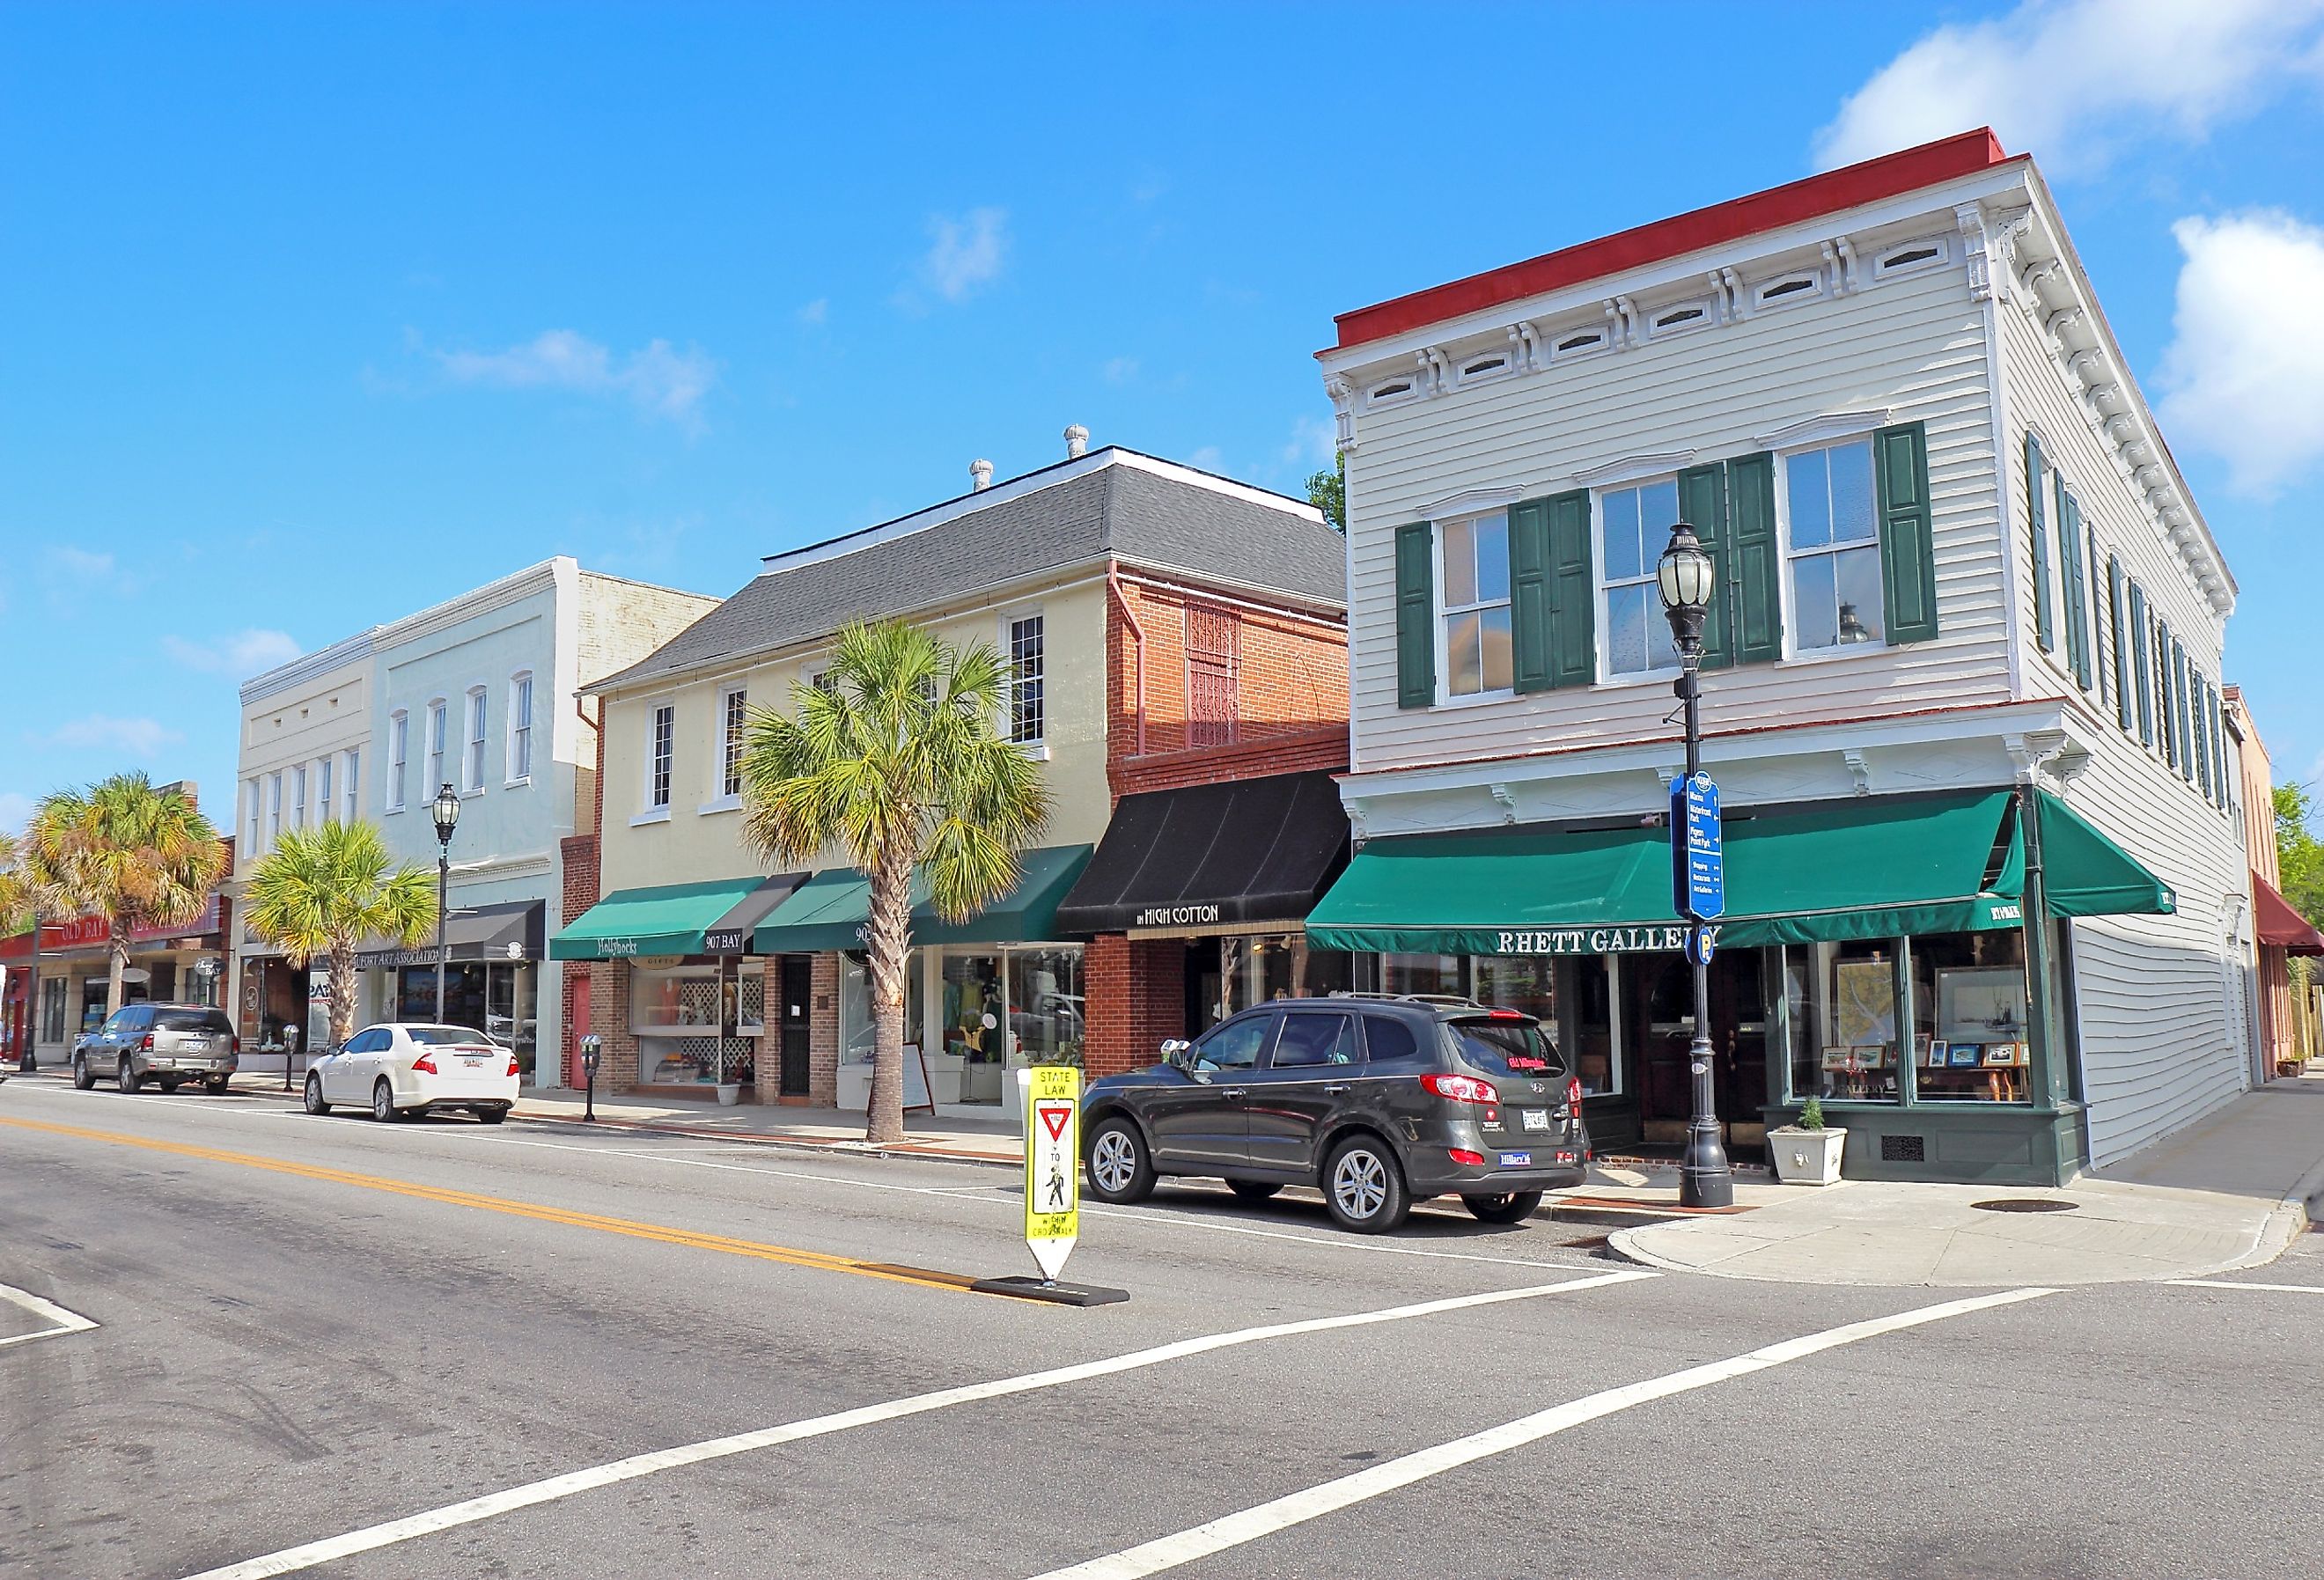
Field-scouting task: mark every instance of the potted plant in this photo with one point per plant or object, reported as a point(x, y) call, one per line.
point(1806, 1153)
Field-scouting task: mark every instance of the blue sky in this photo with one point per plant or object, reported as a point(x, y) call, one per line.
point(316, 315)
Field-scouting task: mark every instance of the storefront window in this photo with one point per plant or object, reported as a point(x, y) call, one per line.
point(52, 1009)
point(1970, 1017)
point(1842, 1003)
point(1520, 982)
point(1255, 970)
point(1424, 974)
point(1587, 1032)
point(972, 1008)
point(698, 1023)
point(1046, 1010)
point(856, 1030)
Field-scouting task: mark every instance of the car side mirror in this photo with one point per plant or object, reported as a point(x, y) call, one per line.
point(1175, 1050)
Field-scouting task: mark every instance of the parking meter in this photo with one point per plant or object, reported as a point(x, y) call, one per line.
point(591, 1046)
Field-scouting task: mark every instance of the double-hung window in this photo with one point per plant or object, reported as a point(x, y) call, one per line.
point(250, 853)
point(1832, 547)
point(1634, 526)
point(1474, 627)
point(436, 710)
point(660, 743)
point(472, 777)
point(520, 728)
point(1028, 706)
point(273, 809)
point(322, 789)
point(399, 744)
point(299, 797)
point(734, 712)
point(351, 787)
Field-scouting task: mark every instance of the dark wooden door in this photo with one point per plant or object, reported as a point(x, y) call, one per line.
point(798, 981)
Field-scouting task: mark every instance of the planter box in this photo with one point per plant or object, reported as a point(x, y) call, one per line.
point(730, 1093)
point(1806, 1156)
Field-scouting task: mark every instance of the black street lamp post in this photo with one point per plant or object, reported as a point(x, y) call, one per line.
point(1685, 578)
point(447, 817)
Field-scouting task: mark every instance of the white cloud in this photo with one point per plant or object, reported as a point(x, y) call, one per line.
point(242, 654)
point(967, 254)
point(68, 560)
point(663, 382)
point(1209, 458)
point(2244, 374)
point(2070, 81)
point(1119, 370)
point(1314, 441)
point(815, 312)
point(98, 732)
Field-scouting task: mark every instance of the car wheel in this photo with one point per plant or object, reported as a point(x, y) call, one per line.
point(1507, 1206)
point(83, 1077)
point(215, 1085)
point(382, 1102)
point(169, 1083)
point(315, 1104)
point(129, 1080)
point(1363, 1185)
point(1252, 1190)
point(1118, 1168)
point(492, 1115)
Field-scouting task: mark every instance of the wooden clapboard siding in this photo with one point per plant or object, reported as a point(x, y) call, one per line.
point(2157, 1024)
point(1915, 344)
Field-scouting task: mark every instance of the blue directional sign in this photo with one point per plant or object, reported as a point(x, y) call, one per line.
point(1698, 853)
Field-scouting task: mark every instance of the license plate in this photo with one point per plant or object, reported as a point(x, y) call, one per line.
point(473, 1064)
point(1537, 1119)
point(1516, 1160)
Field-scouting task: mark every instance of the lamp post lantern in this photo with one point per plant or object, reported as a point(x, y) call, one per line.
point(448, 818)
point(1685, 578)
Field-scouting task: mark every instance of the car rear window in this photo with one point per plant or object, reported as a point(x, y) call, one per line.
point(1388, 1037)
point(207, 1020)
point(1515, 1047)
point(444, 1035)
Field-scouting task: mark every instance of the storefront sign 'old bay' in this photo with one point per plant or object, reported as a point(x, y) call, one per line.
point(1595, 940)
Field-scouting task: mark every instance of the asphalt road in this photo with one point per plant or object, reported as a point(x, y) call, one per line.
point(439, 1350)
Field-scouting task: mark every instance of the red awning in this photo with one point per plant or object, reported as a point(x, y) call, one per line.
point(2279, 926)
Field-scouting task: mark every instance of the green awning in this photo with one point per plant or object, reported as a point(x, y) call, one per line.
point(708, 917)
point(829, 909)
point(1865, 868)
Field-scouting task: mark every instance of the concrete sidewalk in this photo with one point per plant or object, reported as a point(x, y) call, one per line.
point(2228, 1192)
point(995, 1141)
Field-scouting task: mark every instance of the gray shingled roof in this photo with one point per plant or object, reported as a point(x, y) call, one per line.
point(1107, 510)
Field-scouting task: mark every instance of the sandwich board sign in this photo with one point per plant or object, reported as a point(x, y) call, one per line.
point(1053, 1179)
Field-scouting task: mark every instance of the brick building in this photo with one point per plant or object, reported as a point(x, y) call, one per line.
point(1161, 626)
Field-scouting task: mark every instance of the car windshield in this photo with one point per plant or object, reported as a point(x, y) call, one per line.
point(213, 1021)
point(1512, 1047)
point(445, 1036)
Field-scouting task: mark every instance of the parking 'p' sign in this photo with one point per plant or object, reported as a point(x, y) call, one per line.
point(1053, 1181)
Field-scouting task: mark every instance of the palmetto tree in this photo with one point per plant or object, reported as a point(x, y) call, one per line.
point(323, 891)
point(136, 855)
point(896, 758)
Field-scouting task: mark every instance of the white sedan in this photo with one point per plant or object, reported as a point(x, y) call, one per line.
point(400, 1069)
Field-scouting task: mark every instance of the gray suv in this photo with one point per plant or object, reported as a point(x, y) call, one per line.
point(1380, 1102)
point(169, 1044)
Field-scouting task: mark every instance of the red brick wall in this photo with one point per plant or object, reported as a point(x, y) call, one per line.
point(1324, 749)
point(1137, 997)
point(1291, 675)
point(609, 1018)
point(823, 1034)
point(580, 858)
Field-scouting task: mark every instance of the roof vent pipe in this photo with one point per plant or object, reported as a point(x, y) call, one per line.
point(1076, 442)
point(979, 476)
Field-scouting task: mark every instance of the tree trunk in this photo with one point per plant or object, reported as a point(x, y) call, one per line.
point(116, 962)
point(342, 993)
point(887, 936)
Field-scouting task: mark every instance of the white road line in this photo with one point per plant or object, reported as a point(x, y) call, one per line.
point(492, 1504)
point(2225, 1284)
point(61, 1320)
point(1249, 1525)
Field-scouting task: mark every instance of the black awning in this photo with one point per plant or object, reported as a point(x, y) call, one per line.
point(508, 931)
point(1253, 850)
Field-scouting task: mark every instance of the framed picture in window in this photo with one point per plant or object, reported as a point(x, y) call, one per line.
point(2004, 1055)
point(1842, 1059)
point(1863, 1002)
point(1934, 1053)
point(1981, 1004)
point(1965, 1056)
point(1870, 1055)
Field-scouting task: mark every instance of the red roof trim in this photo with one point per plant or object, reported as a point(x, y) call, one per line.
point(1849, 187)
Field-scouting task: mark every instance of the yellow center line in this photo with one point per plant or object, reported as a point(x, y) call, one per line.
point(823, 1261)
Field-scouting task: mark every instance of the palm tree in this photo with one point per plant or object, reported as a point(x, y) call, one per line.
point(896, 756)
point(122, 850)
point(323, 891)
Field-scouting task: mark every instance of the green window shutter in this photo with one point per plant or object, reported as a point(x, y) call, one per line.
point(1415, 615)
point(2043, 631)
point(1908, 556)
point(2121, 654)
point(2182, 729)
point(2200, 699)
point(2169, 731)
point(2220, 746)
point(1755, 578)
point(2145, 677)
point(1529, 594)
point(1703, 503)
point(1573, 592)
point(2069, 560)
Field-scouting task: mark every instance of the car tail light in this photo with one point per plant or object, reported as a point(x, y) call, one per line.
point(425, 1065)
point(146, 1043)
point(1504, 1014)
point(233, 1043)
point(1574, 1094)
point(1467, 1159)
point(513, 1069)
point(1461, 1089)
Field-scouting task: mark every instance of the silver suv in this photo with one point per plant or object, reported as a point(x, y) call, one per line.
point(168, 1043)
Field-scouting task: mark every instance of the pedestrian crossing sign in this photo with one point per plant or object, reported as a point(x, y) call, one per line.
point(1053, 1184)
